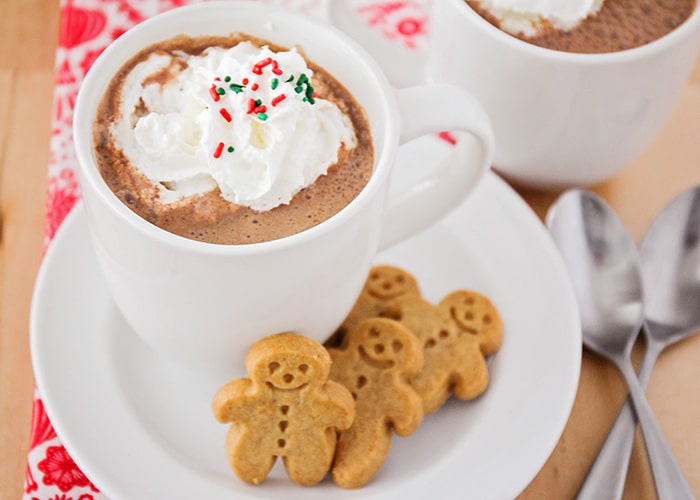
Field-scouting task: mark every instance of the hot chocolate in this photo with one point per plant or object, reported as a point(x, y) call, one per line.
point(602, 26)
point(230, 139)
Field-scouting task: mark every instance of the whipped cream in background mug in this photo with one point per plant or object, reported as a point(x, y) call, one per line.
point(524, 16)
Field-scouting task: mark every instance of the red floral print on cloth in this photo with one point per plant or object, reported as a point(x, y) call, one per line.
point(62, 195)
point(404, 21)
point(79, 25)
point(84, 496)
point(59, 469)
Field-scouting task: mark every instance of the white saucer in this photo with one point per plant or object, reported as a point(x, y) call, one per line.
point(141, 427)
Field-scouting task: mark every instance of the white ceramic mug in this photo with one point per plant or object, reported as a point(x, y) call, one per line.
point(205, 304)
point(560, 119)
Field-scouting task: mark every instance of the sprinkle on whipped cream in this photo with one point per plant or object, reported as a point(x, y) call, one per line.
point(527, 17)
point(244, 119)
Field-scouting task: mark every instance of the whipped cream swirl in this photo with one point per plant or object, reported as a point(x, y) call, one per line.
point(244, 119)
point(527, 16)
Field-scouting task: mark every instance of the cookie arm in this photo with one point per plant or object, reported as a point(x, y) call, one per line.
point(339, 406)
point(408, 412)
point(229, 399)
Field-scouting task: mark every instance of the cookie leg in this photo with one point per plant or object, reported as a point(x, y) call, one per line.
point(250, 463)
point(360, 453)
point(312, 465)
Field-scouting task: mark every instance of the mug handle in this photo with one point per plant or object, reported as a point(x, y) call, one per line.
point(430, 109)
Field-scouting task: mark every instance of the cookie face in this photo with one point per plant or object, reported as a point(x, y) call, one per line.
point(476, 315)
point(388, 282)
point(383, 284)
point(286, 408)
point(381, 345)
point(286, 375)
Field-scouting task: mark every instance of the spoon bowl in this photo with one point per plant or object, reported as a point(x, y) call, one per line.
point(605, 271)
point(670, 255)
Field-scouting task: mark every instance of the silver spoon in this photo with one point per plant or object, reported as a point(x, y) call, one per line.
point(670, 258)
point(604, 267)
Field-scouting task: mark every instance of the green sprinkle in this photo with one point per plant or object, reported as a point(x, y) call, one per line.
point(258, 102)
point(220, 91)
point(299, 89)
point(236, 87)
point(227, 79)
point(290, 79)
point(275, 82)
point(230, 149)
point(302, 79)
point(262, 116)
point(309, 91)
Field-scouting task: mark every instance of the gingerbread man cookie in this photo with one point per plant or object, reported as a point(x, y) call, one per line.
point(383, 284)
point(379, 358)
point(286, 408)
point(456, 336)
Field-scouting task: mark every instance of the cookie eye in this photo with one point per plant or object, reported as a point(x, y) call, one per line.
point(486, 319)
point(303, 368)
point(373, 333)
point(444, 334)
point(429, 343)
point(400, 279)
point(469, 301)
point(396, 346)
point(273, 367)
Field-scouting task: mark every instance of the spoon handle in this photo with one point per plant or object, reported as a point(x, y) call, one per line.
point(668, 477)
point(606, 477)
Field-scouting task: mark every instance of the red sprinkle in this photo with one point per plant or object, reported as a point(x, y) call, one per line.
point(217, 79)
point(245, 81)
point(257, 68)
point(448, 137)
point(278, 99)
point(251, 106)
point(275, 68)
point(214, 95)
point(260, 109)
point(219, 149)
point(255, 86)
point(227, 116)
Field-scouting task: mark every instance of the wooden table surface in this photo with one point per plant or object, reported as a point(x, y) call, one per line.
point(28, 36)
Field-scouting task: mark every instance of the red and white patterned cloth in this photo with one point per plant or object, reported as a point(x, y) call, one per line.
point(87, 27)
